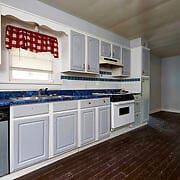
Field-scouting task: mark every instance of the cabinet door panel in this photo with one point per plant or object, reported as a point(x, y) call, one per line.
point(65, 131)
point(145, 100)
point(105, 49)
point(145, 62)
point(31, 141)
point(103, 122)
point(77, 51)
point(116, 52)
point(92, 55)
point(87, 126)
point(126, 60)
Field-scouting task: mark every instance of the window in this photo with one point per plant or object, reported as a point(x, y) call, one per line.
point(28, 66)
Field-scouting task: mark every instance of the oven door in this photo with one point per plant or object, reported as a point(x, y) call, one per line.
point(122, 113)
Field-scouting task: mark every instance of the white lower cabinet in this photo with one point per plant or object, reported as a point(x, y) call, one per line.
point(41, 131)
point(103, 120)
point(145, 99)
point(137, 109)
point(87, 126)
point(94, 120)
point(65, 131)
point(31, 141)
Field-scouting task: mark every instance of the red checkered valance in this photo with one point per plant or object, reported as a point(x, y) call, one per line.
point(33, 41)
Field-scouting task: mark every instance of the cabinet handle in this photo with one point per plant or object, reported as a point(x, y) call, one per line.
point(89, 102)
point(83, 66)
point(88, 66)
point(104, 101)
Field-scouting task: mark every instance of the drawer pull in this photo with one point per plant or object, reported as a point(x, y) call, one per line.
point(89, 102)
point(104, 101)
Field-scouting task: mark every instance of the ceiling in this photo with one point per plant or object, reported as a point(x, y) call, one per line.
point(157, 21)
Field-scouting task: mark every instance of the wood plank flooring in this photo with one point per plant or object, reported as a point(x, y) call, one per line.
point(150, 153)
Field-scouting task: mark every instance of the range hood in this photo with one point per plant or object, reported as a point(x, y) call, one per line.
point(109, 61)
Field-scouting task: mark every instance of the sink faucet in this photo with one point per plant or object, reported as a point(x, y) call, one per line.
point(46, 91)
point(40, 92)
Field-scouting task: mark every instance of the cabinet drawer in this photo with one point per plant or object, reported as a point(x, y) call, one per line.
point(65, 106)
point(103, 101)
point(30, 110)
point(94, 102)
point(137, 107)
point(137, 97)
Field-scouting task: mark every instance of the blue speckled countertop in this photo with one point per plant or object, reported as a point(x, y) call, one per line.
point(5, 96)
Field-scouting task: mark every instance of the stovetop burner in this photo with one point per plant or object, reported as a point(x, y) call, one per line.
point(122, 95)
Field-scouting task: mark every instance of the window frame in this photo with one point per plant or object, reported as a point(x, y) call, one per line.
point(28, 81)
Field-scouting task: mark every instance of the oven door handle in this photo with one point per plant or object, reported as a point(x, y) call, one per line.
point(123, 102)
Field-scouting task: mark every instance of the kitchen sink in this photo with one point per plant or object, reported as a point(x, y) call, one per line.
point(40, 97)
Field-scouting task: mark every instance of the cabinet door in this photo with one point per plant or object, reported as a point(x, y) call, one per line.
point(116, 52)
point(105, 49)
point(145, 62)
point(77, 51)
point(92, 55)
point(145, 99)
point(65, 131)
point(126, 60)
point(87, 126)
point(103, 122)
point(31, 140)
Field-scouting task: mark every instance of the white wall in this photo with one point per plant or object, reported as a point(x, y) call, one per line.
point(155, 83)
point(170, 97)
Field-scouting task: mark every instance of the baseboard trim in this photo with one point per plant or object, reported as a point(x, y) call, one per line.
point(154, 111)
point(171, 110)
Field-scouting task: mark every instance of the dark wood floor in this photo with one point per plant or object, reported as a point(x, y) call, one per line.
point(152, 152)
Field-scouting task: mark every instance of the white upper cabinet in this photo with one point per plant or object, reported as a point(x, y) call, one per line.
point(83, 56)
point(77, 51)
point(140, 62)
point(126, 60)
point(0, 38)
point(110, 50)
point(110, 54)
point(92, 55)
point(145, 62)
point(105, 49)
point(116, 52)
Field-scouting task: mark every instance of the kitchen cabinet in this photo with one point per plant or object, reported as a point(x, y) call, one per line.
point(145, 99)
point(92, 55)
point(94, 122)
point(105, 49)
point(87, 123)
point(0, 38)
point(65, 131)
point(83, 56)
point(145, 62)
point(103, 119)
point(77, 51)
point(140, 62)
point(137, 109)
point(31, 141)
point(126, 61)
point(116, 52)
